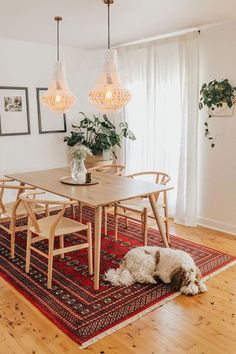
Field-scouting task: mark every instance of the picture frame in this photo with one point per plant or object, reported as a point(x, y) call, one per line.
point(14, 111)
point(49, 122)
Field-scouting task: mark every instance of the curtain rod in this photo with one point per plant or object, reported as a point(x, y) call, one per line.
point(162, 36)
point(172, 34)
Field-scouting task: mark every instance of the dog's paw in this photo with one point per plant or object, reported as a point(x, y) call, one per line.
point(147, 279)
point(190, 290)
point(151, 280)
point(202, 288)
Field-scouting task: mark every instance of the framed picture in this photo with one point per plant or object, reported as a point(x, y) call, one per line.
point(14, 111)
point(49, 122)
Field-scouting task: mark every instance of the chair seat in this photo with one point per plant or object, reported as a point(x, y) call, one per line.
point(20, 211)
point(138, 204)
point(66, 226)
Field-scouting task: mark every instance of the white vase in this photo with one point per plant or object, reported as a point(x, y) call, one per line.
point(78, 170)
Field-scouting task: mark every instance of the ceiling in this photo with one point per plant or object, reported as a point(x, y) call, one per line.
point(85, 21)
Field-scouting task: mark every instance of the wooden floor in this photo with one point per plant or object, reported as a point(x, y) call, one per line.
point(204, 324)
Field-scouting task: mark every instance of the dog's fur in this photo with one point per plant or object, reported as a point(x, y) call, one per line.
point(143, 264)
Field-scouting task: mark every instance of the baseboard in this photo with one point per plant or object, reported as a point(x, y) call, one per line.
point(216, 225)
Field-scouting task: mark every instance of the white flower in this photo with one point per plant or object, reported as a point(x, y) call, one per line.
point(80, 152)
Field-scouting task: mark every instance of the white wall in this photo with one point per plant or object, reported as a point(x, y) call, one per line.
point(217, 166)
point(31, 65)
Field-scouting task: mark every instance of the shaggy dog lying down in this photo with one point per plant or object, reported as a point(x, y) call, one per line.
point(143, 264)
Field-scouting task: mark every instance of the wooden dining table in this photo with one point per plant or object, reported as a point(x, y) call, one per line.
point(109, 190)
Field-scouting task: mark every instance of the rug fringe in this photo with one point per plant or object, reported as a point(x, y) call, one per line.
point(150, 309)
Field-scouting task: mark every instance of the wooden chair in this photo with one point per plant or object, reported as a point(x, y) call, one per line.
point(115, 169)
point(13, 211)
point(142, 206)
point(50, 227)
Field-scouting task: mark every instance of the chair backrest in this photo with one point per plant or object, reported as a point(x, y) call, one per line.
point(30, 201)
point(7, 183)
point(160, 177)
point(117, 170)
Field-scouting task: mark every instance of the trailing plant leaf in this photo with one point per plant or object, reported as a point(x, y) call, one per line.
point(215, 94)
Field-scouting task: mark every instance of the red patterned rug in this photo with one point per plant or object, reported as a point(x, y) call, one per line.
point(82, 313)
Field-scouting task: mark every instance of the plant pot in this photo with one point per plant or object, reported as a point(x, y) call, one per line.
point(223, 111)
point(104, 158)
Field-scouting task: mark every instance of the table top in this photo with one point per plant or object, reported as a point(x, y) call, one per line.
point(110, 189)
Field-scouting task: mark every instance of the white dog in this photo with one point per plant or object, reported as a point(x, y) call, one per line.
point(143, 264)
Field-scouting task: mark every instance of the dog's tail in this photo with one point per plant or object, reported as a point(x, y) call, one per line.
point(119, 277)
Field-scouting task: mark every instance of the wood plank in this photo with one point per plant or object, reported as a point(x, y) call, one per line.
point(194, 325)
point(110, 189)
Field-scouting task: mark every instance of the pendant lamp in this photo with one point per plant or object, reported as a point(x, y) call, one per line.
point(58, 98)
point(109, 94)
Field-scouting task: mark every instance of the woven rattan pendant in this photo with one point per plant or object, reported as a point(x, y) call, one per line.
point(109, 94)
point(58, 98)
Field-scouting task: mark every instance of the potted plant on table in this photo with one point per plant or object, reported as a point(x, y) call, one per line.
point(99, 135)
point(215, 95)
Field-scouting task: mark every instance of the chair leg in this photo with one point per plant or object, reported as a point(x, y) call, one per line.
point(47, 210)
point(105, 219)
point(61, 241)
point(145, 226)
point(13, 239)
point(72, 211)
point(80, 212)
point(90, 248)
point(116, 221)
point(50, 262)
point(13, 236)
point(166, 216)
point(126, 220)
point(28, 251)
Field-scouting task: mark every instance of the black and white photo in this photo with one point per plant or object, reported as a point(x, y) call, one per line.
point(14, 111)
point(13, 104)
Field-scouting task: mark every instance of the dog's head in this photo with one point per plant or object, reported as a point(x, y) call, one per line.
point(181, 277)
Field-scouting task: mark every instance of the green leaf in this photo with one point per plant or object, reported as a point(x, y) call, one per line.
point(98, 134)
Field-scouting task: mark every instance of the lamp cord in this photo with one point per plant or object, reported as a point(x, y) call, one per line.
point(108, 26)
point(58, 43)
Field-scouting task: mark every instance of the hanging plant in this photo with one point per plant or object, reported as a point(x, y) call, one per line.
point(213, 95)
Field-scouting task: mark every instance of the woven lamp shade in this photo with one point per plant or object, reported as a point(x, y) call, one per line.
point(58, 98)
point(108, 94)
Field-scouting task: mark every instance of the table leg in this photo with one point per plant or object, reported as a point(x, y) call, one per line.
point(97, 245)
point(160, 225)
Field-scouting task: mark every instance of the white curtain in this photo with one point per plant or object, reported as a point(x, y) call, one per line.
point(162, 77)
